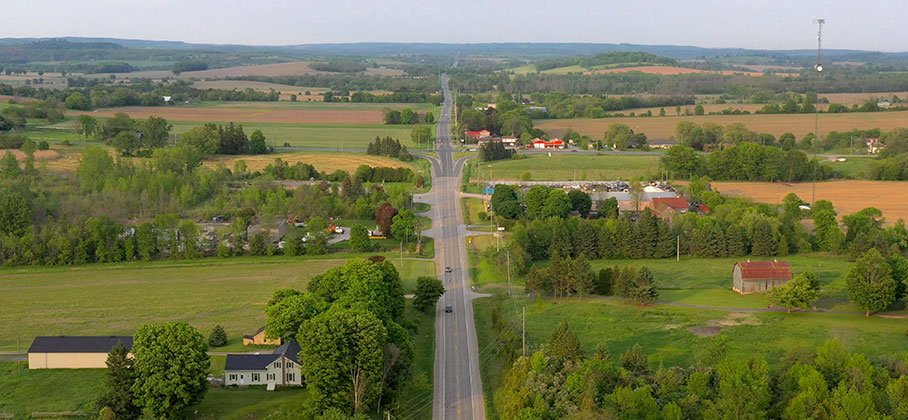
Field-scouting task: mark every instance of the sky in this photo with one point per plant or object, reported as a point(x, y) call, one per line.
point(878, 25)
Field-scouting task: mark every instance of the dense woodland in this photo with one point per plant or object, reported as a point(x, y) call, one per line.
point(561, 380)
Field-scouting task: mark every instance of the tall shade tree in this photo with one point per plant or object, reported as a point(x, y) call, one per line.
point(799, 293)
point(287, 313)
point(428, 290)
point(342, 358)
point(870, 284)
point(171, 365)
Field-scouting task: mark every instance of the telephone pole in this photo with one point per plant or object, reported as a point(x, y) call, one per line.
point(524, 334)
point(816, 114)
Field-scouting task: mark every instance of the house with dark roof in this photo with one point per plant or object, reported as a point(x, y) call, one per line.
point(278, 368)
point(759, 276)
point(259, 338)
point(73, 352)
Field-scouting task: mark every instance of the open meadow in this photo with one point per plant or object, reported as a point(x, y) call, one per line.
point(775, 124)
point(569, 166)
point(231, 292)
point(847, 196)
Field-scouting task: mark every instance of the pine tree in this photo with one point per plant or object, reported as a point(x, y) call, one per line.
point(119, 398)
point(564, 344)
point(582, 276)
point(604, 282)
point(218, 337)
point(763, 242)
point(644, 287)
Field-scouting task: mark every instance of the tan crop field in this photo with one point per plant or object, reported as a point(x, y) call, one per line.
point(50, 159)
point(847, 196)
point(858, 98)
point(799, 124)
point(259, 114)
point(323, 161)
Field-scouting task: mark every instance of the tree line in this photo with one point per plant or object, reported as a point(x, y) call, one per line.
point(746, 161)
point(406, 116)
point(390, 147)
point(561, 380)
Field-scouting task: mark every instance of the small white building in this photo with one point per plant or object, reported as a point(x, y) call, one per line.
point(279, 368)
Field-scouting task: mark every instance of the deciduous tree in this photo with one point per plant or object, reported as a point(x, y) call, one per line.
point(171, 364)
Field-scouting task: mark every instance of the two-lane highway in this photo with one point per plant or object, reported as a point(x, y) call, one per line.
point(458, 387)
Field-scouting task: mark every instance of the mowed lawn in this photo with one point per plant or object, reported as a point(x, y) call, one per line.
point(571, 166)
point(116, 299)
point(777, 124)
point(24, 391)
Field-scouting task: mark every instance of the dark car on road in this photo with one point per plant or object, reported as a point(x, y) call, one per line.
point(448, 269)
point(449, 309)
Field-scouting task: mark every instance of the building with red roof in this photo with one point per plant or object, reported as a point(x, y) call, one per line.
point(543, 144)
point(477, 134)
point(759, 276)
point(668, 207)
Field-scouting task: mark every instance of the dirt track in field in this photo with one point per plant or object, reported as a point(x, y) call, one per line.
point(847, 196)
point(247, 114)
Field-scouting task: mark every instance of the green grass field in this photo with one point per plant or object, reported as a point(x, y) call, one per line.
point(565, 70)
point(314, 105)
point(854, 167)
point(232, 292)
point(571, 166)
point(24, 391)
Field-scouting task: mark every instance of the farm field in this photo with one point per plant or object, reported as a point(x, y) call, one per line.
point(247, 113)
point(232, 292)
point(323, 161)
point(292, 68)
point(670, 71)
point(858, 98)
point(798, 124)
point(847, 196)
point(571, 166)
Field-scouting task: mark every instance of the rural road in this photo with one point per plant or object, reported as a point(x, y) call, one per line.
point(457, 386)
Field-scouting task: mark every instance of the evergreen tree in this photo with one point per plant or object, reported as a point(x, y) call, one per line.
point(763, 241)
point(119, 398)
point(218, 337)
point(604, 282)
point(359, 239)
point(564, 344)
point(644, 287)
point(586, 240)
point(583, 276)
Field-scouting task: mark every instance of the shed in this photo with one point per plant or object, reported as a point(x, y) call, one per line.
point(759, 276)
point(259, 338)
point(73, 352)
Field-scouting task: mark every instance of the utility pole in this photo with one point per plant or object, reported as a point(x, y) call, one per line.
point(678, 248)
point(816, 114)
point(524, 335)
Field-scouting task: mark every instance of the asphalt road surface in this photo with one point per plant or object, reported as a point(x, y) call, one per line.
point(458, 387)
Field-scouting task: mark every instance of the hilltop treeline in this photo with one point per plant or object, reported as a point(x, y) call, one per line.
point(339, 66)
point(352, 82)
point(87, 94)
point(606, 59)
point(858, 80)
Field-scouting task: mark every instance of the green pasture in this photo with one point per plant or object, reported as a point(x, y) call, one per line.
point(570, 166)
point(117, 298)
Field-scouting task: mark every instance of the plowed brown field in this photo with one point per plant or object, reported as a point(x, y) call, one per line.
point(247, 114)
point(847, 196)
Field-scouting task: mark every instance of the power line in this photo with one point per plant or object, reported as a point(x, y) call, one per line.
point(816, 112)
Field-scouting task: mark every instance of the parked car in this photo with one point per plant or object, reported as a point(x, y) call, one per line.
point(339, 230)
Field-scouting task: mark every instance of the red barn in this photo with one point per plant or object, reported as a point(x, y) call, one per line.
point(759, 276)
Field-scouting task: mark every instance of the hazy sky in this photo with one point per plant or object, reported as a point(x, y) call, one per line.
point(771, 24)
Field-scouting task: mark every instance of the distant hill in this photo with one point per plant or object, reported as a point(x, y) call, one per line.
point(529, 50)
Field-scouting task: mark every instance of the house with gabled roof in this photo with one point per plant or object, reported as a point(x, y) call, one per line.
point(759, 276)
point(259, 338)
point(73, 352)
point(278, 368)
